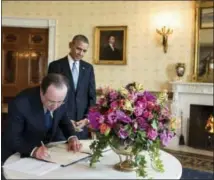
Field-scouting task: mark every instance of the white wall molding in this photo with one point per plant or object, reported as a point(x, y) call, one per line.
point(36, 23)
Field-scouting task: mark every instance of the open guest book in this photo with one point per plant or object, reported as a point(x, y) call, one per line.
point(60, 155)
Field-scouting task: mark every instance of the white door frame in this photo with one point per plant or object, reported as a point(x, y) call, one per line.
point(35, 23)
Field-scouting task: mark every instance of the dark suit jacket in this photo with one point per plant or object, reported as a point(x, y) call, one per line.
point(108, 54)
point(84, 97)
point(25, 127)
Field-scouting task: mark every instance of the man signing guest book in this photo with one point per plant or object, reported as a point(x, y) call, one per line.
point(35, 117)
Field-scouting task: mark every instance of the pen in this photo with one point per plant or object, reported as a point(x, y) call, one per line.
point(44, 146)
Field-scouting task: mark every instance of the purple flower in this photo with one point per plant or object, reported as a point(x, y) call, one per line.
point(139, 94)
point(141, 103)
point(152, 133)
point(113, 95)
point(138, 111)
point(122, 133)
point(123, 117)
point(143, 125)
point(149, 96)
point(132, 96)
point(94, 117)
point(112, 118)
point(101, 119)
point(165, 137)
point(114, 105)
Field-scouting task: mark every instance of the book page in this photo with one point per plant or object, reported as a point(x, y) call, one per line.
point(32, 166)
point(60, 155)
point(85, 146)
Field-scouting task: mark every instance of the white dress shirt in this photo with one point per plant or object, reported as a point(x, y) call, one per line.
point(71, 61)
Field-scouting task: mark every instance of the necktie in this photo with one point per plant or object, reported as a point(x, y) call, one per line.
point(75, 74)
point(48, 120)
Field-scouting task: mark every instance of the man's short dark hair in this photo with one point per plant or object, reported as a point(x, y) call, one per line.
point(55, 79)
point(80, 37)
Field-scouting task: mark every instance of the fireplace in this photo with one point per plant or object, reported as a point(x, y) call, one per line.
point(186, 94)
point(199, 136)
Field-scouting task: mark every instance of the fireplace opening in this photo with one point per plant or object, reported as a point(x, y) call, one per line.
point(201, 135)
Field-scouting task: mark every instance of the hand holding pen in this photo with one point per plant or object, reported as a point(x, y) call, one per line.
point(42, 152)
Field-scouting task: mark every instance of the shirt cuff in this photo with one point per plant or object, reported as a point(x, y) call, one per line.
point(31, 154)
point(72, 137)
point(88, 121)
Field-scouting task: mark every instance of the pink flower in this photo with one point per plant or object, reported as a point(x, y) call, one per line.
point(114, 105)
point(150, 105)
point(113, 95)
point(138, 111)
point(146, 114)
point(152, 133)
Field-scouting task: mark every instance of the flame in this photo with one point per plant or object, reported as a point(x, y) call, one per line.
point(210, 125)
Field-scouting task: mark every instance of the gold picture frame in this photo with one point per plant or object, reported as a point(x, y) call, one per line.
point(110, 45)
point(203, 60)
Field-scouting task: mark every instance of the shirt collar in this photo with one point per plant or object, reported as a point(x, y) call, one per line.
point(45, 110)
point(71, 60)
point(111, 46)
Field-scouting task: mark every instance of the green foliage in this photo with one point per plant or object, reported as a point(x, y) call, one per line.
point(140, 161)
point(97, 147)
point(155, 157)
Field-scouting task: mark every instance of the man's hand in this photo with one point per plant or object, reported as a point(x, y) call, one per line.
point(41, 153)
point(81, 123)
point(74, 144)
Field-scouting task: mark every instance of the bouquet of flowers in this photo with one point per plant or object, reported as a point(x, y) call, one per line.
point(131, 117)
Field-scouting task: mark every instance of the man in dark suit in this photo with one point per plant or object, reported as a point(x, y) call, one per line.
point(35, 116)
point(110, 52)
point(82, 94)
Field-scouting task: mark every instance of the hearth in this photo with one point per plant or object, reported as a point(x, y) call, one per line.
point(199, 136)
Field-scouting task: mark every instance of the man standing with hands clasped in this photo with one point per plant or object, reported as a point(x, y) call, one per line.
point(35, 116)
point(82, 94)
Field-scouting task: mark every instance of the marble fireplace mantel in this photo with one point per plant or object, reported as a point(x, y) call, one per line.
point(185, 94)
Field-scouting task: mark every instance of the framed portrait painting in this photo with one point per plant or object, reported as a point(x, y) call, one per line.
point(206, 18)
point(110, 45)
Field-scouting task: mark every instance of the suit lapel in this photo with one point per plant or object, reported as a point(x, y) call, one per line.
point(67, 72)
point(38, 111)
point(82, 70)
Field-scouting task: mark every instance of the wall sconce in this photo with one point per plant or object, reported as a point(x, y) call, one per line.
point(164, 32)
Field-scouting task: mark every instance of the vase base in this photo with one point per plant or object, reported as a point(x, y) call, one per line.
point(126, 166)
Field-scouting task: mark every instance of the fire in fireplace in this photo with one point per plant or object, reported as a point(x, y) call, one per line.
point(210, 125)
point(201, 132)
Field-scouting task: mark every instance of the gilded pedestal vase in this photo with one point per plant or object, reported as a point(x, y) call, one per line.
point(127, 162)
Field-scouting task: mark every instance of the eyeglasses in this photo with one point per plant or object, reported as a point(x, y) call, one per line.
point(50, 102)
point(55, 102)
